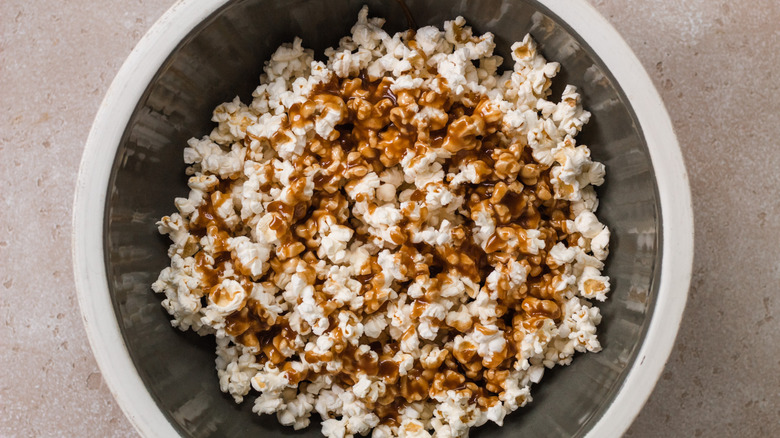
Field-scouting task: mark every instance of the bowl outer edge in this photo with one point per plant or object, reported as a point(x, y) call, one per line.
point(676, 210)
point(97, 311)
point(153, 49)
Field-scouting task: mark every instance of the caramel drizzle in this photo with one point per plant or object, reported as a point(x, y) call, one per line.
point(374, 135)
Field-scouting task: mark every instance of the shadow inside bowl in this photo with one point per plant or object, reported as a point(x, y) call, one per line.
point(223, 57)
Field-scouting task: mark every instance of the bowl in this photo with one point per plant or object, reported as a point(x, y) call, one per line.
point(202, 53)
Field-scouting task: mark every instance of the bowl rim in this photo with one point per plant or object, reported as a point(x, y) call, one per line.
point(166, 34)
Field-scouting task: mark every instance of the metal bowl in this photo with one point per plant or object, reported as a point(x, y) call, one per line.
point(200, 54)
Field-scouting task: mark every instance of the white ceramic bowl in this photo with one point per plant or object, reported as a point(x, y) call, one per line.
point(201, 52)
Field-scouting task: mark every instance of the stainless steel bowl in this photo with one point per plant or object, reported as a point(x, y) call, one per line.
point(201, 54)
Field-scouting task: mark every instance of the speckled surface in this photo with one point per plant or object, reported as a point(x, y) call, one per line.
point(715, 63)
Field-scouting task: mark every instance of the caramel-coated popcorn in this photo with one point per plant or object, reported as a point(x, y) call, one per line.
point(400, 240)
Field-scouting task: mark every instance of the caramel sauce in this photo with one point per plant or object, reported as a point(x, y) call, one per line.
point(240, 322)
point(389, 412)
point(388, 369)
point(414, 387)
point(368, 365)
point(375, 133)
point(418, 308)
point(365, 278)
point(208, 222)
point(322, 179)
point(277, 224)
point(453, 380)
point(494, 243)
point(475, 395)
point(280, 207)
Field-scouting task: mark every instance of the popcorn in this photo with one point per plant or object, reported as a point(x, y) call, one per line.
point(207, 156)
point(227, 297)
point(400, 239)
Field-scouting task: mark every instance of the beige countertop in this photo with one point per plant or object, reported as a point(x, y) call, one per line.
point(716, 64)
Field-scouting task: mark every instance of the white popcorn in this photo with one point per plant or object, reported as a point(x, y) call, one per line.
point(515, 395)
point(346, 239)
point(212, 158)
point(599, 244)
point(422, 170)
point(252, 255)
point(233, 118)
point(385, 192)
point(561, 254)
point(343, 288)
point(178, 283)
point(406, 82)
point(270, 379)
point(391, 266)
point(308, 308)
point(581, 321)
point(374, 326)
point(587, 224)
point(433, 236)
point(489, 340)
point(175, 228)
point(334, 239)
point(569, 113)
point(333, 428)
point(593, 285)
point(296, 412)
point(486, 227)
point(235, 369)
point(228, 297)
point(264, 232)
point(265, 294)
point(366, 186)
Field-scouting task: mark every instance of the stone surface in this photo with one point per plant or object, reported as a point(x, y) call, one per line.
point(715, 64)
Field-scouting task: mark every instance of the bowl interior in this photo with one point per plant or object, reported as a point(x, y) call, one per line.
point(222, 58)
